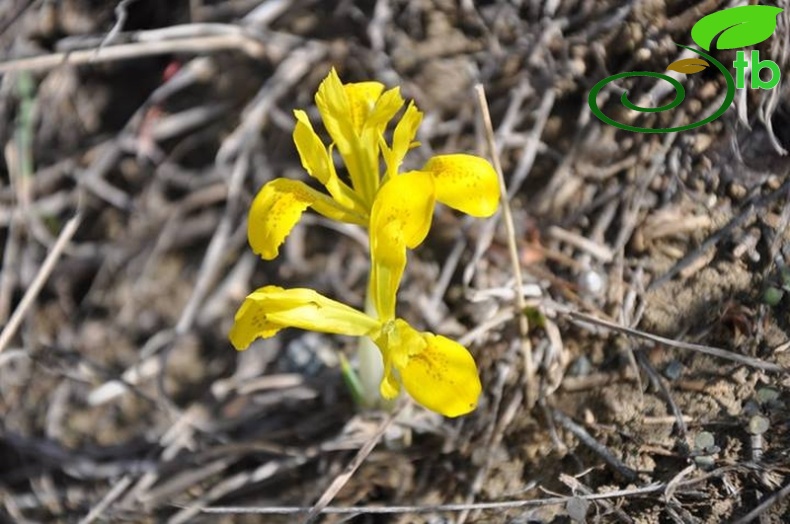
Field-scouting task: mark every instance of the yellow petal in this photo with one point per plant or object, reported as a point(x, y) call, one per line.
point(366, 159)
point(393, 336)
point(442, 376)
point(437, 372)
point(277, 208)
point(385, 108)
point(385, 280)
point(390, 385)
point(467, 183)
point(336, 111)
point(362, 97)
point(317, 161)
point(406, 201)
point(403, 138)
point(250, 324)
point(339, 113)
point(270, 309)
point(400, 218)
point(312, 152)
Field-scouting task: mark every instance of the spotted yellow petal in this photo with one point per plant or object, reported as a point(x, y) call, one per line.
point(362, 97)
point(250, 323)
point(437, 372)
point(317, 161)
point(277, 208)
point(400, 219)
point(270, 309)
point(467, 183)
point(442, 376)
point(407, 200)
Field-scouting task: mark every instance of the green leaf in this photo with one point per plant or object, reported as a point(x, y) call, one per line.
point(535, 317)
point(736, 27)
point(351, 379)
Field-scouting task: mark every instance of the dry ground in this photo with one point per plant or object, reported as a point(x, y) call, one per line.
point(653, 268)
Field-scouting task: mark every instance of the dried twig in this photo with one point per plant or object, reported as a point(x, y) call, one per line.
point(680, 423)
point(120, 19)
point(577, 486)
point(112, 495)
point(531, 394)
point(337, 484)
point(188, 39)
point(765, 505)
point(65, 236)
point(627, 473)
point(599, 251)
point(581, 318)
point(494, 506)
point(530, 150)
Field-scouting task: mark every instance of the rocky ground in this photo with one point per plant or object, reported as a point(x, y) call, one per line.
point(135, 135)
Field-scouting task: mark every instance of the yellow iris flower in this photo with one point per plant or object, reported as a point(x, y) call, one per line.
point(437, 372)
point(356, 116)
point(397, 210)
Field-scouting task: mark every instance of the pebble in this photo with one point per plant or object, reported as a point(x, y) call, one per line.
point(591, 282)
point(673, 370)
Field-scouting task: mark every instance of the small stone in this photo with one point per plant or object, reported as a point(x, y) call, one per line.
point(580, 367)
point(704, 462)
point(309, 354)
point(767, 395)
point(591, 282)
point(772, 296)
point(758, 425)
point(737, 191)
point(577, 508)
point(750, 408)
point(702, 143)
point(704, 440)
point(673, 370)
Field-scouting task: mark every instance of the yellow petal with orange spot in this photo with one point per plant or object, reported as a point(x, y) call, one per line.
point(442, 376)
point(277, 208)
point(272, 308)
point(467, 183)
point(400, 219)
point(362, 97)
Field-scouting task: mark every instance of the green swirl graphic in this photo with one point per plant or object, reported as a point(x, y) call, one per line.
point(680, 95)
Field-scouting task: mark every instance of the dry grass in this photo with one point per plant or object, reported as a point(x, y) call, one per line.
point(135, 135)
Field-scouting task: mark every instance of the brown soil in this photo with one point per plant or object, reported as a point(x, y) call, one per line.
point(122, 399)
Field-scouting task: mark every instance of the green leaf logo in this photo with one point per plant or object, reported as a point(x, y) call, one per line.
point(736, 27)
point(688, 66)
